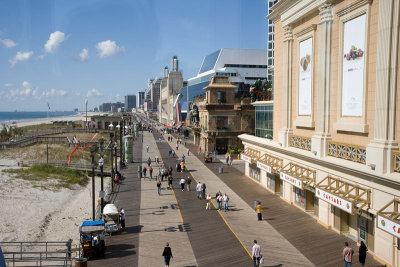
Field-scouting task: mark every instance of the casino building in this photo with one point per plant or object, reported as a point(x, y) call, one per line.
point(332, 144)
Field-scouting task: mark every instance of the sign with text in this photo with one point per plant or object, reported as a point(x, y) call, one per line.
point(335, 201)
point(389, 226)
point(264, 167)
point(291, 180)
point(245, 158)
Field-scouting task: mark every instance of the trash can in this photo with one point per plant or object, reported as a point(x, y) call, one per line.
point(221, 170)
point(256, 202)
point(81, 262)
point(139, 170)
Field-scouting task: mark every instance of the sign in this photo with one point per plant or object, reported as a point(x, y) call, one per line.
point(388, 226)
point(291, 180)
point(245, 158)
point(335, 201)
point(305, 77)
point(264, 167)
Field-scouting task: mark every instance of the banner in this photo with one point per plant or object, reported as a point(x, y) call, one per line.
point(89, 142)
point(305, 77)
point(73, 151)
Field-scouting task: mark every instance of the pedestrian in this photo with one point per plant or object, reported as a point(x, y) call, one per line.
point(225, 198)
point(187, 151)
point(169, 153)
point(214, 155)
point(182, 166)
point(159, 187)
point(219, 201)
point(147, 148)
point(157, 159)
point(184, 143)
point(188, 182)
point(256, 254)
point(258, 210)
point(230, 159)
point(198, 190)
point(170, 170)
point(159, 139)
point(144, 172)
point(183, 158)
point(227, 158)
point(170, 181)
point(199, 150)
point(203, 190)
point(149, 161)
point(182, 183)
point(159, 173)
point(167, 254)
point(362, 253)
point(208, 201)
point(121, 218)
point(151, 173)
point(176, 145)
point(173, 153)
point(347, 255)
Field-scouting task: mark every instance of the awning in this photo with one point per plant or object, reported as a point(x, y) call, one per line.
point(348, 197)
point(250, 155)
point(298, 176)
point(388, 218)
point(269, 163)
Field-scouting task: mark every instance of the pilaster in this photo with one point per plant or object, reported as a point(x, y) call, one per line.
point(322, 132)
point(284, 133)
point(380, 149)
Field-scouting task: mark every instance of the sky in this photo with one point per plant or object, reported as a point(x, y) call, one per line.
point(64, 52)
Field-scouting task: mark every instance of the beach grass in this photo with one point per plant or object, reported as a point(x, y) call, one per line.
point(54, 177)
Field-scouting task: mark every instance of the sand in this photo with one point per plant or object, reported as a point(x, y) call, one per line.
point(34, 214)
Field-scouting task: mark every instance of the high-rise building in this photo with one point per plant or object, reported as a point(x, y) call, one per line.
point(270, 40)
point(130, 102)
point(140, 99)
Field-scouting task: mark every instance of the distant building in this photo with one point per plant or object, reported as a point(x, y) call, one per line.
point(110, 107)
point(270, 41)
point(130, 102)
point(75, 110)
point(140, 99)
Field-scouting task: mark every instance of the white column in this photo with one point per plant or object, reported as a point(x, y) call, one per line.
point(380, 149)
point(322, 134)
point(284, 133)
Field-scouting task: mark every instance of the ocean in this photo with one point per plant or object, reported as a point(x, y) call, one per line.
point(27, 115)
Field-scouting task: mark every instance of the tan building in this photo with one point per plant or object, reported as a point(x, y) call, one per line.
point(334, 149)
point(222, 116)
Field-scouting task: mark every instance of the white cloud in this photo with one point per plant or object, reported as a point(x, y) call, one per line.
point(78, 93)
point(7, 43)
point(84, 55)
point(26, 85)
point(8, 84)
point(20, 56)
point(109, 48)
point(41, 56)
point(94, 92)
point(54, 92)
point(55, 39)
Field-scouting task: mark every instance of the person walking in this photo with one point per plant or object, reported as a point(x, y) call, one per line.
point(203, 191)
point(151, 173)
point(219, 201)
point(167, 254)
point(176, 145)
point(147, 148)
point(198, 190)
point(169, 153)
point(347, 255)
point(187, 151)
point(157, 159)
point(208, 205)
point(159, 187)
point(170, 170)
point(149, 161)
point(227, 158)
point(256, 254)
point(170, 181)
point(225, 198)
point(258, 210)
point(121, 218)
point(199, 150)
point(215, 155)
point(173, 153)
point(230, 159)
point(188, 182)
point(144, 172)
point(182, 183)
point(182, 166)
point(362, 253)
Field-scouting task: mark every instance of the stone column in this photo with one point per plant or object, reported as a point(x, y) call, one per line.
point(284, 133)
point(319, 144)
point(380, 149)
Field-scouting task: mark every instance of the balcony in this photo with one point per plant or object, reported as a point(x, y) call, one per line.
point(347, 151)
point(300, 142)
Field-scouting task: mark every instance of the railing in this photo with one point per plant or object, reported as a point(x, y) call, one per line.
point(39, 252)
point(347, 151)
point(396, 167)
point(300, 142)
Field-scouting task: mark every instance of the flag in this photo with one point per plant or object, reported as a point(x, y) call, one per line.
point(89, 143)
point(73, 151)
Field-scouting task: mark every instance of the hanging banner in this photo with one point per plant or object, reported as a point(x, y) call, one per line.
point(89, 142)
point(305, 76)
point(291, 180)
point(264, 167)
point(388, 226)
point(245, 158)
point(341, 203)
point(73, 151)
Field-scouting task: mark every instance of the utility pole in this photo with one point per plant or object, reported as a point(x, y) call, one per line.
point(93, 149)
point(101, 163)
point(111, 160)
point(86, 126)
point(121, 131)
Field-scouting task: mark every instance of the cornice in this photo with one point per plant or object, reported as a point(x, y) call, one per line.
point(353, 6)
point(308, 29)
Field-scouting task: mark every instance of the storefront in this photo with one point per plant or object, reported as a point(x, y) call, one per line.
point(271, 166)
point(302, 180)
point(347, 203)
point(250, 156)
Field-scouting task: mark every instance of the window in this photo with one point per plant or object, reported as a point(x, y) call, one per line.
point(264, 121)
point(270, 46)
point(270, 62)
point(270, 54)
point(221, 97)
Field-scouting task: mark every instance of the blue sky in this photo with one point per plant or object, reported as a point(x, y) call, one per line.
point(63, 52)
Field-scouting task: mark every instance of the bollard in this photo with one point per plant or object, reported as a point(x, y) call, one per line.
point(221, 170)
point(81, 262)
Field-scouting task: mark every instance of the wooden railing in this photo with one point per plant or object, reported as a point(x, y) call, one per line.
point(396, 165)
point(347, 151)
point(300, 142)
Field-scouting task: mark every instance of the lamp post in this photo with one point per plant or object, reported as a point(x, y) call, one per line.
point(86, 126)
point(93, 149)
point(111, 126)
point(101, 163)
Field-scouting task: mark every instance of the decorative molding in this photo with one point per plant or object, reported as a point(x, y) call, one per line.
point(352, 7)
point(306, 30)
point(288, 33)
point(325, 13)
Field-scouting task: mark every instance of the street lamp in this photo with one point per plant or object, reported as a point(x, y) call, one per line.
point(111, 126)
point(93, 148)
point(101, 163)
point(86, 126)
